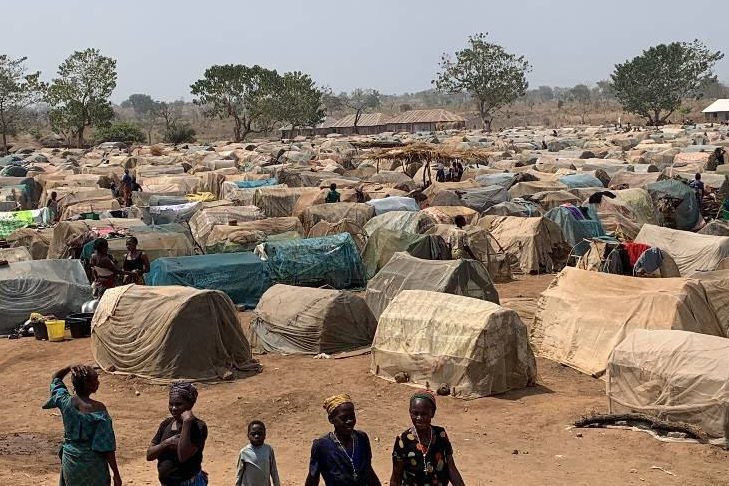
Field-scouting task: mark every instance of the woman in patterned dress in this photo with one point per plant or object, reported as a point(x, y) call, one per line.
point(422, 454)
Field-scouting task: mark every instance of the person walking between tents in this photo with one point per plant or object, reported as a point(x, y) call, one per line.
point(89, 444)
point(342, 457)
point(332, 196)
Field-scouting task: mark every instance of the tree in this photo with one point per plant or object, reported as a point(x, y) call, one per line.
point(147, 111)
point(120, 132)
point(79, 97)
point(360, 100)
point(581, 95)
point(169, 112)
point(654, 84)
point(546, 93)
point(299, 101)
point(18, 92)
point(492, 76)
point(245, 94)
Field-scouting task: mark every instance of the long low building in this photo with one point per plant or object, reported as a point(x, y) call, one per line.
point(374, 123)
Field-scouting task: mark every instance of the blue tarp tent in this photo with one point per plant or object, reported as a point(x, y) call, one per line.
point(243, 276)
point(257, 183)
point(314, 262)
point(575, 230)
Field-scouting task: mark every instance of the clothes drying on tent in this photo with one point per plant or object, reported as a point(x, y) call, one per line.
point(242, 276)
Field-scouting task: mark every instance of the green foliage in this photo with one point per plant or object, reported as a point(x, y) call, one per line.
point(653, 84)
point(142, 104)
point(492, 76)
point(79, 96)
point(18, 91)
point(120, 132)
point(245, 94)
point(299, 101)
point(179, 133)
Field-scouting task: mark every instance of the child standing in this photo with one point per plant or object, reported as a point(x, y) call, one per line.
point(257, 463)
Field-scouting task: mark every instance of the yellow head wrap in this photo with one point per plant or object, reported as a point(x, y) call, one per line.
point(331, 403)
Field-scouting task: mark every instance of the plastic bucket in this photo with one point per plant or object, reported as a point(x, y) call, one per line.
point(40, 330)
point(79, 325)
point(56, 330)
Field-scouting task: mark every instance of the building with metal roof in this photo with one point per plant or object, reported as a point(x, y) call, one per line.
point(718, 111)
point(425, 121)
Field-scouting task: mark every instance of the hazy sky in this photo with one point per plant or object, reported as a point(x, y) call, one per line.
point(162, 46)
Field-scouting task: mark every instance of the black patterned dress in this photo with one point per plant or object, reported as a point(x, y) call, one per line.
point(422, 469)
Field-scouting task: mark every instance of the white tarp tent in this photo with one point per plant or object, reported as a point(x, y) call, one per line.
point(692, 252)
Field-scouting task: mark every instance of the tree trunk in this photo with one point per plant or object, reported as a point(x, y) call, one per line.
point(236, 129)
point(485, 118)
point(356, 121)
point(5, 143)
point(80, 142)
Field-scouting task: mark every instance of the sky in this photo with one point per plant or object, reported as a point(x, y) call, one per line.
point(394, 46)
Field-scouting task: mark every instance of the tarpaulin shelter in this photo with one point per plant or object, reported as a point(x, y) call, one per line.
point(325, 228)
point(483, 198)
point(202, 222)
point(169, 333)
point(692, 252)
point(314, 262)
point(716, 284)
point(175, 213)
point(537, 244)
point(583, 315)
point(625, 214)
point(12, 255)
point(575, 230)
point(581, 180)
point(393, 203)
point(247, 235)
point(407, 221)
point(280, 201)
point(676, 376)
point(166, 240)
point(66, 233)
point(475, 347)
point(515, 207)
point(360, 213)
point(383, 244)
point(406, 272)
point(675, 203)
point(57, 287)
point(242, 276)
point(311, 321)
point(36, 241)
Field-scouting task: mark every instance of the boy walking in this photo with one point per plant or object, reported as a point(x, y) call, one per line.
point(257, 463)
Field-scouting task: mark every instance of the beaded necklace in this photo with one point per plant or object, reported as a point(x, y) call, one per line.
point(351, 458)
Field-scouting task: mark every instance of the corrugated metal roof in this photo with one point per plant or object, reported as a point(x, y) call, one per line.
point(426, 116)
point(717, 106)
point(365, 120)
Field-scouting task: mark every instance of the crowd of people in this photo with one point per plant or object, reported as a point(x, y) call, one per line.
point(422, 454)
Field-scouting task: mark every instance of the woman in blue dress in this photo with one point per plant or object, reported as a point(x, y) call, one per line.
point(89, 444)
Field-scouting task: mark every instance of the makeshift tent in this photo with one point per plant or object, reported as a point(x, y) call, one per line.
point(624, 215)
point(57, 287)
point(281, 201)
point(176, 213)
point(716, 284)
point(35, 240)
point(515, 207)
point(247, 235)
point(675, 203)
point(583, 315)
point(475, 347)
point(448, 214)
point(243, 276)
point(575, 230)
point(483, 198)
point(167, 240)
point(521, 189)
point(406, 272)
point(581, 180)
point(676, 376)
point(12, 255)
point(393, 203)
point(325, 228)
point(313, 262)
point(69, 235)
point(202, 223)
point(692, 252)
point(168, 334)
point(384, 243)
point(537, 244)
point(407, 221)
point(311, 321)
point(360, 213)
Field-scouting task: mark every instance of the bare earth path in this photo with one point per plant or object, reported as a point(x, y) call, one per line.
point(288, 394)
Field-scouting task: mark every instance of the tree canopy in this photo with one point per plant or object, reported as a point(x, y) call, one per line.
point(18, 91)
point(492, 76)
point(360, 101)
point(654, 84)
point(299, 100)
point(79, 96)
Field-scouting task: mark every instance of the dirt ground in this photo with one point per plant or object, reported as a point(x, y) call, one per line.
point(520, 438)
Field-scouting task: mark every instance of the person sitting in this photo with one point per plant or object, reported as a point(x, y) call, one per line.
point(332, 196)
point(440, 175)
point(342, 457)
point(719, 156)
point(180, 440)
point(423, 454)
point(135, 263)
point(89, 444)
point(103, 268)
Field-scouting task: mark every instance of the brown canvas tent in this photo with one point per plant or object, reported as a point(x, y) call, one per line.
point(181, 334)
point(692, 252)
point(307, 320)
point(360, 213)
point(202, 222)
point(406, 272)
point(475, 347)
point(674, 375)
point(583, 315)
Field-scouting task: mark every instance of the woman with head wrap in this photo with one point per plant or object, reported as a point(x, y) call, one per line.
point(89, 445)
point(423, 454)
point(342, 457)
point(178, 445)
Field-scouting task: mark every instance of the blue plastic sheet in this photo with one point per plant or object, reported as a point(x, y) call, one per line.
point(259, 183)
point(574, 230)
point(243, 276)
point(315, 262)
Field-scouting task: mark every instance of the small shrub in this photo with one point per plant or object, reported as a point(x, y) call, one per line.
point(120, 132)
point(183, 133)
